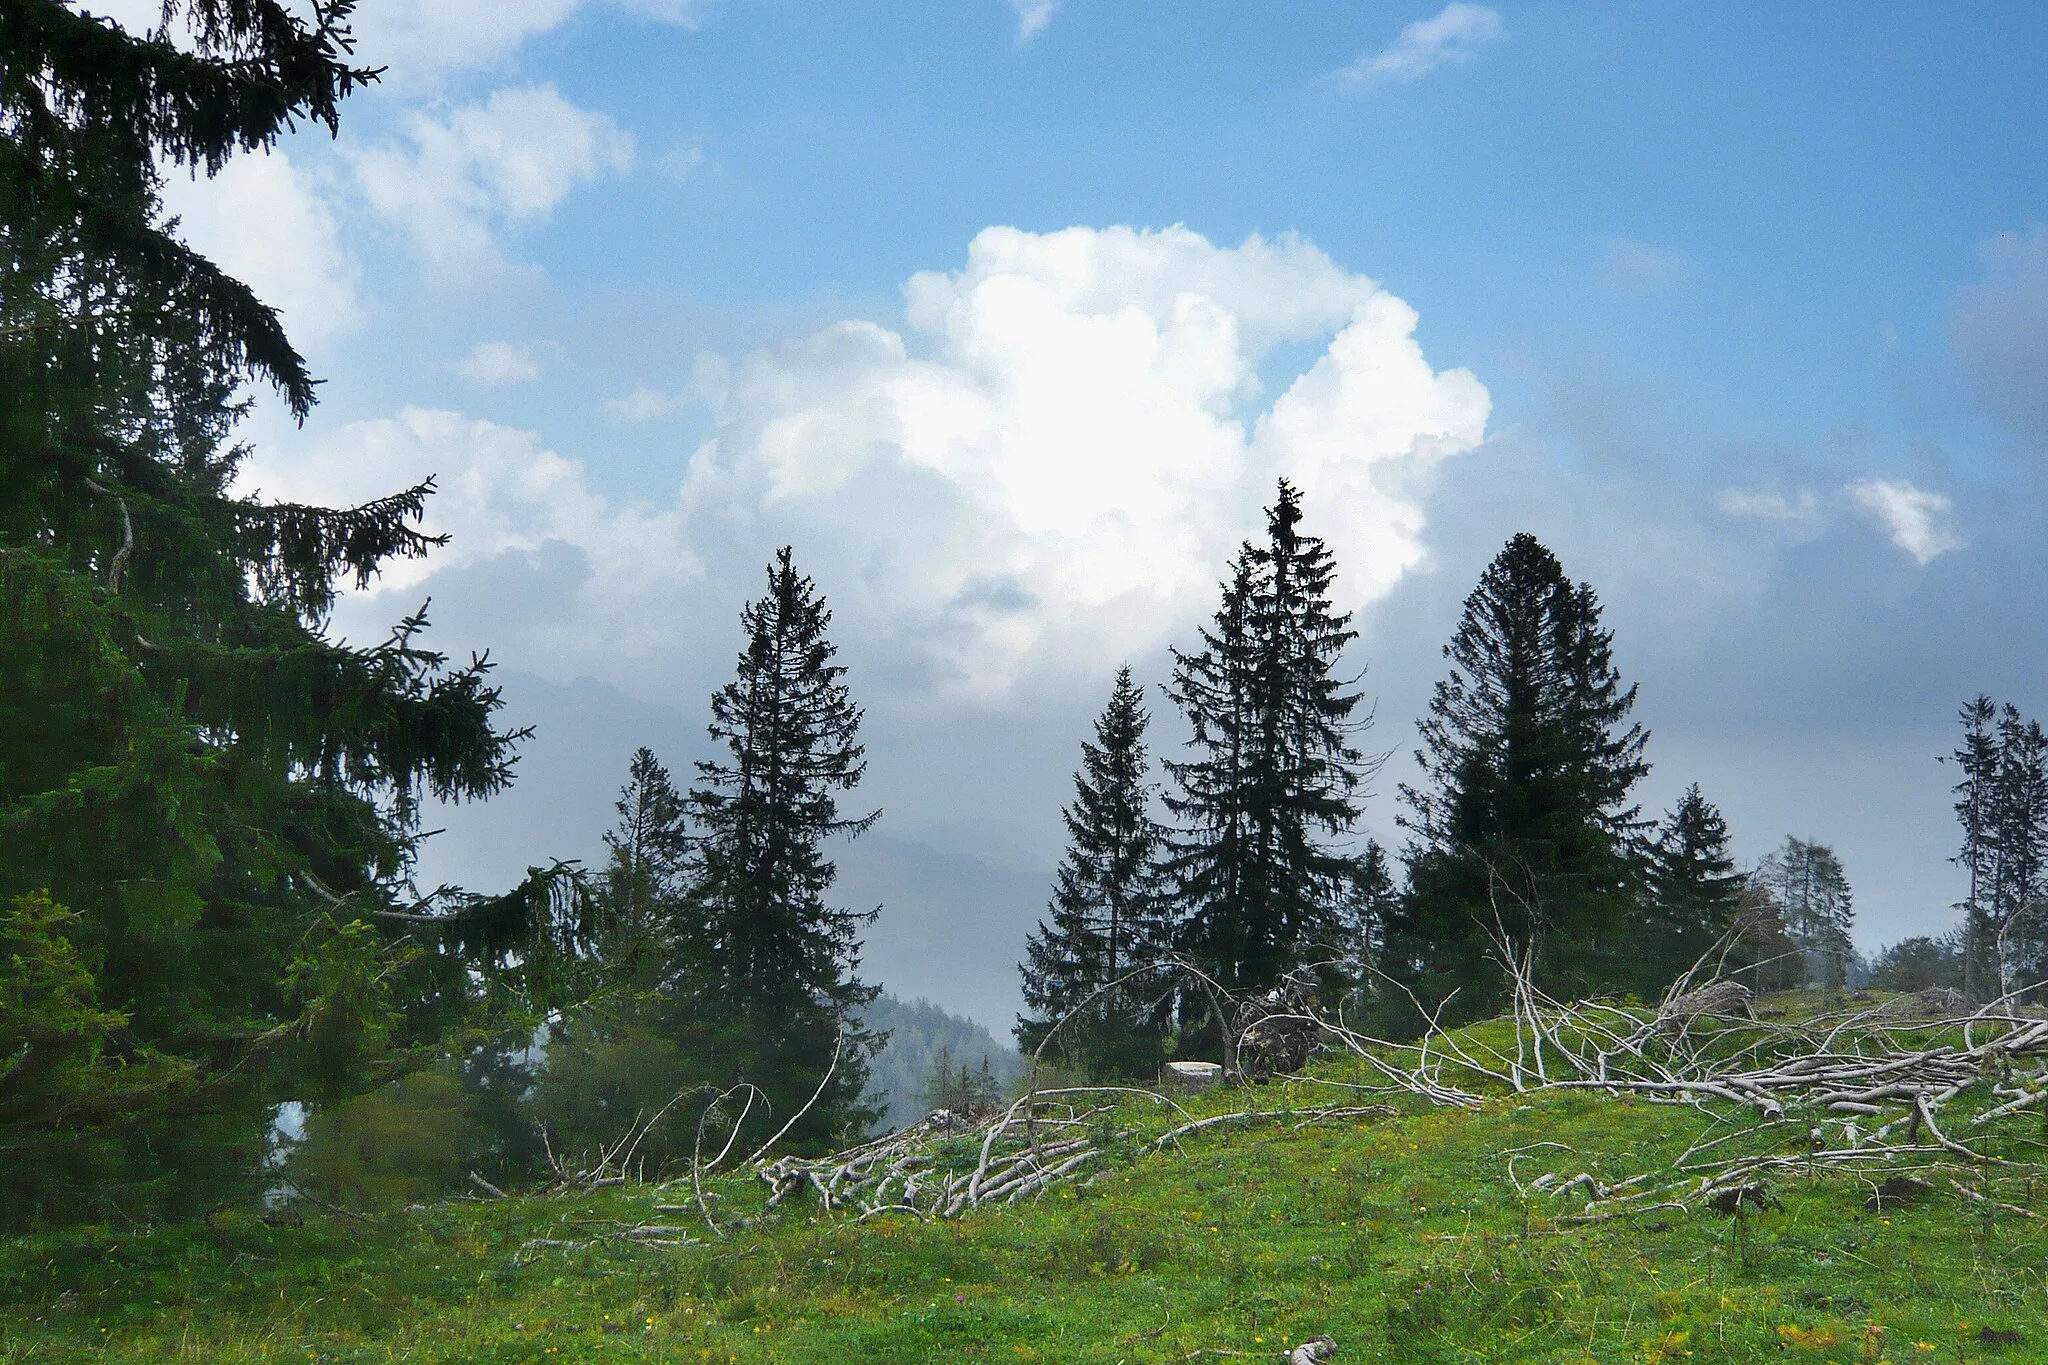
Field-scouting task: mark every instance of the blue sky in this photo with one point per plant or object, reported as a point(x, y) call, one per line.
point(1006, 315)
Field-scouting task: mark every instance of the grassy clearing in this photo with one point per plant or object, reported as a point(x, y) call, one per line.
point(1400, 1236)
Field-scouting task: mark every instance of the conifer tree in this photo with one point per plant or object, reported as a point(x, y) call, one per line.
point(962, 1089)
point(2002, 804)
point(769, 966)
point(218, 801)
point(1522, 823)
point(1693, 894)
point(1975, 807)
point(1366, 908)
point(646, 852)
point(2020, 890)
point(1107, 914)
point(1807, 884)
point(1276, 775)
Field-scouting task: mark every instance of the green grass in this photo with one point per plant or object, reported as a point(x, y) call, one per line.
point(1400, 1236)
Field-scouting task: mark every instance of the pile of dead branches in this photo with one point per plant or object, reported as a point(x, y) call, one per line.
point(948, 1165)
point(1915, 1087)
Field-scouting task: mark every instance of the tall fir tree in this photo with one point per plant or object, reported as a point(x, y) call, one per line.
point(1522, 823)
point(2002, 805)
point(1366, 908)
point(1976, 803)
point(1692, 892)
point(645, 856)
point(626, 1052)
point(2020, 891)
point(1806, 883)
point(1275, 780)
point(769, 965)
point(216, 801)
point(1108, 914)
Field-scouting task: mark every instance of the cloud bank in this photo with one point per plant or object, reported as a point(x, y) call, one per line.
point(1044, 472)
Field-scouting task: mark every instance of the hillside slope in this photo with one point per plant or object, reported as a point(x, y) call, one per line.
point(917, 1030)
point(1398, 1231)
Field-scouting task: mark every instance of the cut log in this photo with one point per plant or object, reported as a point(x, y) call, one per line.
point(1193, 1076)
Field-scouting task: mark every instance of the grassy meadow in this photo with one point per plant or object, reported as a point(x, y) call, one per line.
point(1398, 1233)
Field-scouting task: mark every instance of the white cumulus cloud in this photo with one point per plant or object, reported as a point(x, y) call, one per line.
point(500, 494)
point(263, 220)
point(1044, 474)
point(1454, 34)
point(511, 158)
point(498, 364)
point(1917, 520)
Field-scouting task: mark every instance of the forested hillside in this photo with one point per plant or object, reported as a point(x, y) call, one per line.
point(903, 1076)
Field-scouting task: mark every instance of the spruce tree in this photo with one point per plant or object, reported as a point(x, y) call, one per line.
point(1275, 778)
point(1363, 929)
point(1807, 884)
point(645, 851)
point(1522, 822)
point(217, 801)
point(1693, 894)
point(768, 966)
point(1975, 806)
point(2002, 805)
point(1107, 915)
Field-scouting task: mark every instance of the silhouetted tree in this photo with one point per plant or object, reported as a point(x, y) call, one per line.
point(961, 1089)
point(1367, 904)
point(2002, 805)
point(1522, 823)
point(207, 805)
point(646, 850)
point(769, 965)
point(1108, 914)
point(1276, 775)
point(1918, 963)
point(1806, 882)
point(1693, 894)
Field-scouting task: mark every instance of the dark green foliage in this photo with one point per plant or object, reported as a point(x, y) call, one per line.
point(87, 114)
point(61, 1060)
point(1275, 778)
point(1108, 913)
point(222, 797)
point(767, 967)
point(1522, 826)
point(1692, 892)
point(1919, 963)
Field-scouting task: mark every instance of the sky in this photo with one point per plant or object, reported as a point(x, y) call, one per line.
point(1007, 314)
